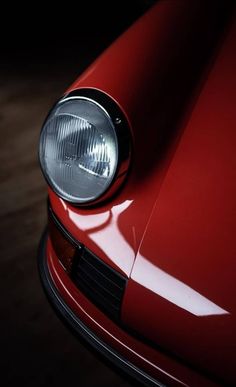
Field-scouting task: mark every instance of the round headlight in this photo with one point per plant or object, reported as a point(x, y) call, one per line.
point(80, 148)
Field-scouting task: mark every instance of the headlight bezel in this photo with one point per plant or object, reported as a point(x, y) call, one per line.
point(123, 137)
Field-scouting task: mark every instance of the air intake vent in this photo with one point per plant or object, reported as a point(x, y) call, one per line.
point(101, 284)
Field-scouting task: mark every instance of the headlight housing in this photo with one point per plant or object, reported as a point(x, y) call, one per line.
point(84, 146)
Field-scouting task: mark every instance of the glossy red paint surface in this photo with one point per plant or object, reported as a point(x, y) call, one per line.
point(155, 363)
point(172, 226)
point(155, 103)
point(186, 263)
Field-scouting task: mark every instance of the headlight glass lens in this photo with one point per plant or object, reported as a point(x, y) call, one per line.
point(79, 150)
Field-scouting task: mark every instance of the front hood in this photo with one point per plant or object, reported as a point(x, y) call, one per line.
point(151, 72)
point(181, 294)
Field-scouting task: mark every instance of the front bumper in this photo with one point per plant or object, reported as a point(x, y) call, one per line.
point(79, 327)
point(106, 334)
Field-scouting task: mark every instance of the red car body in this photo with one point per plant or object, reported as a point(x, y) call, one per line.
point(171, 228)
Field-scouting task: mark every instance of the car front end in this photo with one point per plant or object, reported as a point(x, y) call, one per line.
point(139, 254)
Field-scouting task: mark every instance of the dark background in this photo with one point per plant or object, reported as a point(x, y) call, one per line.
point(42, 51)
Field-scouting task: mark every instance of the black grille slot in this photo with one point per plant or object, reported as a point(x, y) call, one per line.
point(100, 283)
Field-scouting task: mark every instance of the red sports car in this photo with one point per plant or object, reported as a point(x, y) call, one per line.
point(139, 256)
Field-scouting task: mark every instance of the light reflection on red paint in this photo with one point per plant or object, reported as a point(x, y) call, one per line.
point(173, 290)
point(102, 229)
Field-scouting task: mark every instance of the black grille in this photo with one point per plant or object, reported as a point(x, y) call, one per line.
point(100, 283)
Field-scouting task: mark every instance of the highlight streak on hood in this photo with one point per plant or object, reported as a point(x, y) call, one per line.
point(174, 290)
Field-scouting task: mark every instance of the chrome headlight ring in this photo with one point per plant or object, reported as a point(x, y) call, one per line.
point(85, 147)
